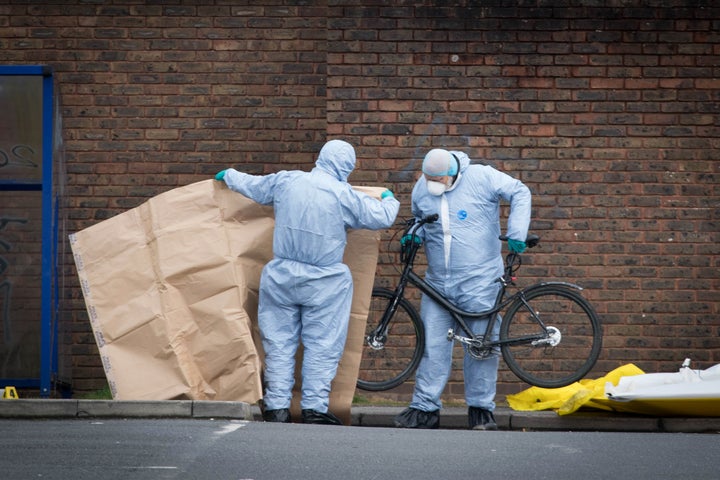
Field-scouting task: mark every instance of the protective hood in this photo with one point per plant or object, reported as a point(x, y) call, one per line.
point(439, 163)
point(464, 162)
point(337, 158)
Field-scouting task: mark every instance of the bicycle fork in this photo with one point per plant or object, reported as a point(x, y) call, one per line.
point(377, 338)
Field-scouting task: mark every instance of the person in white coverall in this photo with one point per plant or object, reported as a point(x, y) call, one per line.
point(306, 290)
point(464, 261)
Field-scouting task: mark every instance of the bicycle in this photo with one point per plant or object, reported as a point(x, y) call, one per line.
point(550, 335)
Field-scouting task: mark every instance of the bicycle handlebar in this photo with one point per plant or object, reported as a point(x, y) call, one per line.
point(407, 254)
point(413, 224)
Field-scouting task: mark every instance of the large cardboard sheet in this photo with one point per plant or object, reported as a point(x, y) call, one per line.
point(171, 290)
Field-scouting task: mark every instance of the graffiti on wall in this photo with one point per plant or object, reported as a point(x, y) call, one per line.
point(12, 360)
point(19, 156)
point(21, 220)
point(5, 281)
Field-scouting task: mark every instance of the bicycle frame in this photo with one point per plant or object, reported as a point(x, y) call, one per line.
point(458, 314)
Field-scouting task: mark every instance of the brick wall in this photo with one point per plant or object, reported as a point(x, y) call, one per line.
point(155, 96)
point(609, 112)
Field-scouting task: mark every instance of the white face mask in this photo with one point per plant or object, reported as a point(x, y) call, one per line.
point(436, 188)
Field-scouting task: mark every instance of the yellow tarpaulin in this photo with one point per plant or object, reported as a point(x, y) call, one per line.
point(566, 400)
point(627, 389)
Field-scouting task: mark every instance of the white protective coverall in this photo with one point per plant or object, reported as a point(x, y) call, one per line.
point(464, 260)
point(306, 290)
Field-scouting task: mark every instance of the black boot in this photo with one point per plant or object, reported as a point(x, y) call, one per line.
point(414, 418)
point(281, 415)
point(481, 419)
point(319, 418)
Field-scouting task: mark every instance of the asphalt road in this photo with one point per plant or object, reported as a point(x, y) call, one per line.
point(94, 449)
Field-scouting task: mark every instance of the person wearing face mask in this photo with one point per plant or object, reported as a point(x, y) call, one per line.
point(464, 261)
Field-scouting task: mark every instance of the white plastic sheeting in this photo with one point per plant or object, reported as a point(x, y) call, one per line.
point(686, 392)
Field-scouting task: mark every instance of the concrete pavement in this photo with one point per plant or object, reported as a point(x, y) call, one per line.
point(364, 416)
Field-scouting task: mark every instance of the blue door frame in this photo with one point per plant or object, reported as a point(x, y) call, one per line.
point(50, 218)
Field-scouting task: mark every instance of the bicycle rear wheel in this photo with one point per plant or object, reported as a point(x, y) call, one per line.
point(574, 326)
point(388, 367)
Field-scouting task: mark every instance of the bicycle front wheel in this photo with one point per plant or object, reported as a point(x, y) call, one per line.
point(569, 351)
point(389, 366)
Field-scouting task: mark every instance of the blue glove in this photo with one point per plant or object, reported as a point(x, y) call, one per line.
point(410, 238)
point(387, 193)
point(516, 246)
point(220, 176)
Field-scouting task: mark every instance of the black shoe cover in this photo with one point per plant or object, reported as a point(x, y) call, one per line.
point(481, 419)
point(318, 418)
point(414, 418)
point(281, 415)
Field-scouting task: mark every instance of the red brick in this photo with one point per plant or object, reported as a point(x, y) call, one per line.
point(608, 118)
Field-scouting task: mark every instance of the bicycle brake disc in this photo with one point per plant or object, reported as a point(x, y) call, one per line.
point(376, 342)
point(553, 339)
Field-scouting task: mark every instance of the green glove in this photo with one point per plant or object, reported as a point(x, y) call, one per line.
point(220, 176)
point(410, 238)
point(387, 193)
point(516, 246)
